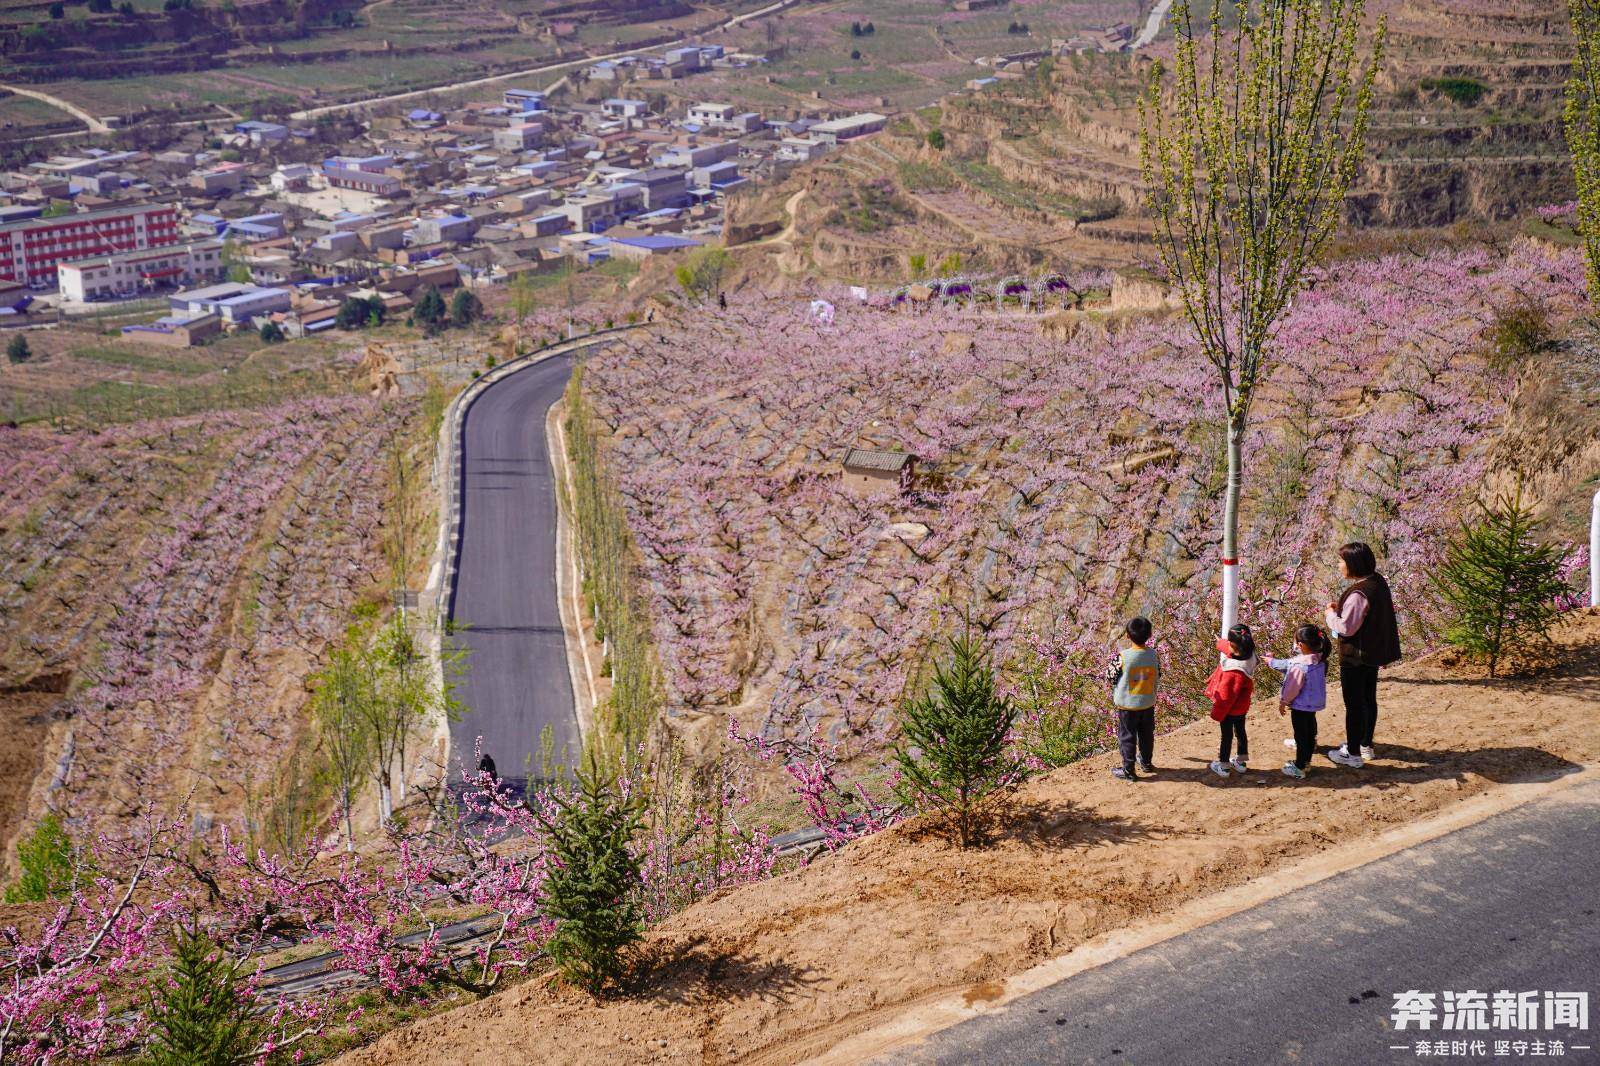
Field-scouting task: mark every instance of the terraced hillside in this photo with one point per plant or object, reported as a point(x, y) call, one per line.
point(1044, 168)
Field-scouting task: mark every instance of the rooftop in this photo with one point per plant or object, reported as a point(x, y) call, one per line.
point(876, 459)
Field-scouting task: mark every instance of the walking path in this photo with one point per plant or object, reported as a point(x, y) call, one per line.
point(1152, 25)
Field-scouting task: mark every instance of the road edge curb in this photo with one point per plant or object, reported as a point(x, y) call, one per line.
point(916, 1021)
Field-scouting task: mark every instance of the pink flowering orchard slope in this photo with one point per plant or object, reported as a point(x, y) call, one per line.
point(1071, 482)
point(181, 567)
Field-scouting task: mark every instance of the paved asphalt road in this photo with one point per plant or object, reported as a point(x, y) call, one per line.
point(516, 680)
point(1509, 903)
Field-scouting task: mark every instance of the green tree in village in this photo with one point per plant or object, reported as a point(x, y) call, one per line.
point(592, 889)
point(1248, 144)
point(201, 1014)
point(47, 862)
point(1583, 131)
point(430, 310)
point(523, 299)
point(700, 274)
point(17, 350)
point(1500, 583)
point(954, 751)
point(271, 333)
point(233, 259)
point(356, 313)
point(465, 308)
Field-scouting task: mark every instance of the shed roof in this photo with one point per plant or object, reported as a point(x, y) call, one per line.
point(877, 459)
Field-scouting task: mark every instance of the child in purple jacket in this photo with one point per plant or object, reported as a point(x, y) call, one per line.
point(1304, 693)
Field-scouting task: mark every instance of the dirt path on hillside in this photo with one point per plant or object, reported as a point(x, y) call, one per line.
point(94, 124)
point(785, 969)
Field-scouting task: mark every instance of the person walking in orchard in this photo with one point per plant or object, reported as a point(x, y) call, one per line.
point(1362, 621)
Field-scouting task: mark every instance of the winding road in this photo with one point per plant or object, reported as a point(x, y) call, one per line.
point(504, 600)
point(545, 68)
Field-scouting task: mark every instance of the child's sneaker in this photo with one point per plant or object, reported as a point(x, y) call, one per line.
point(1291, 770)
point(1289, 743)
point(1122, 775)
point(1219, 767)
point(1146, 768)
point(1344, 758)
point(1366, 752)
point(1240, 765)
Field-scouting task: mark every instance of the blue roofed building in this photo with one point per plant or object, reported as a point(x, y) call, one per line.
point(645, 247)
point(525, 100)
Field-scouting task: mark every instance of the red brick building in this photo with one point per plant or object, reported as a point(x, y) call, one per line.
point(31, 248)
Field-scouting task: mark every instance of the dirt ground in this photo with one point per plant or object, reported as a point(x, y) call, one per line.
point(782, 970)
point(24, 723)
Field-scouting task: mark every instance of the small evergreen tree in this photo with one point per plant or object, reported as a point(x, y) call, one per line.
point(465, 308)
point(45, 858)
point(430, 310)
point(201, 1014)
point(592, 890)
point(954, 752)
point(352, 313)
point(1500, 583)
point(271, 333)
point(17, 349)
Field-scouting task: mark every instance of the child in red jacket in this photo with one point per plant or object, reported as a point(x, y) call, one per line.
point(1231, 686)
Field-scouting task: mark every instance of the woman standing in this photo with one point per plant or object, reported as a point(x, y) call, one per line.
point(1362, 621)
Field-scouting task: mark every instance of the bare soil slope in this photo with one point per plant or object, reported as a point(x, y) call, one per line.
point(785, 969)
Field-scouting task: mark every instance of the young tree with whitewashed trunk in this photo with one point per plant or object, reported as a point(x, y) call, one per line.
point(1248, 147)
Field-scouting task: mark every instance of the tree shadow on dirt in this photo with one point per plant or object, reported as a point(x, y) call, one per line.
point(1396, 765)
point(1061, 825)
point(696, 972)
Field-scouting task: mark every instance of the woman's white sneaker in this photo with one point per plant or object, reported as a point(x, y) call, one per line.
point(1239, 766)
point(1219, 767)
point(1291, 770)
point(1344, 758)
point(1366, 753)
point(1288, 742)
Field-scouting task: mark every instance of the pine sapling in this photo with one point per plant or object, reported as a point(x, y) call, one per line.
point(592, 888)
point(955, 751)
point(202, 1014)
point(1502, 586)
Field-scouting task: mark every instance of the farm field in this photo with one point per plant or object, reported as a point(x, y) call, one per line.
point(918, 50)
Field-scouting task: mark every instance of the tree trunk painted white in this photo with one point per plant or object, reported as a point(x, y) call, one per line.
point(1230, 527)
point(385, 800)
point(1594, 552)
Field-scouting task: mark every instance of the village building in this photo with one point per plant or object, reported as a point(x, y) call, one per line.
point(869, 470)
point(849, 127)
point(129, 273)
